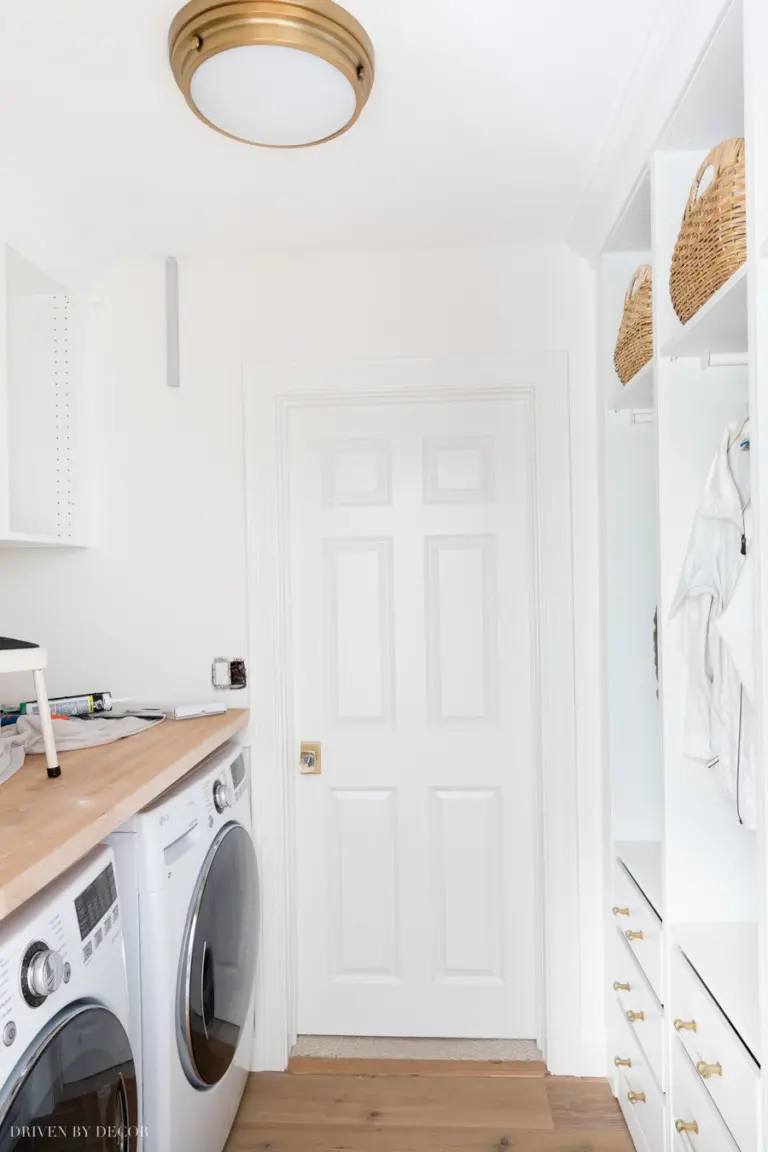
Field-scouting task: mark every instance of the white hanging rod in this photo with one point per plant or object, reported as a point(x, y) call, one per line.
point(723, 360)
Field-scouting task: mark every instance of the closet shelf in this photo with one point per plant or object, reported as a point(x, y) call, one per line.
point(29, 540)
point(725, 956)
point(643, 860)
point(637, 394)
point(719, 326)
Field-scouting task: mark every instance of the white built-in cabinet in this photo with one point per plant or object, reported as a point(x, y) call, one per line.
point(42, 480)
point(686, 899)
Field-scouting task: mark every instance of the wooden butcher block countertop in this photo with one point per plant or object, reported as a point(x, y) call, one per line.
point(47, 825)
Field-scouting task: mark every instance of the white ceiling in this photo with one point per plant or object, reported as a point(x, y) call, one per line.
point(484, 124)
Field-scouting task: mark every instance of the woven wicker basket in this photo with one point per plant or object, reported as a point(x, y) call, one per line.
point(713, 235)
point(634, 346)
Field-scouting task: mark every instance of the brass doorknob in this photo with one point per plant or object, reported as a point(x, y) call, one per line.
point(620, 911)
point(310, 758)
point(636, 1097)
point(622, 1063)
point(706, 1071)
point(685, 1026)
point(630, 935)
point(633, 1017)
point(687, 1126)
point(619, 987)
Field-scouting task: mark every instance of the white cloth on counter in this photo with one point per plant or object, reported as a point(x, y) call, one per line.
point(25, 736)
point(719, 721)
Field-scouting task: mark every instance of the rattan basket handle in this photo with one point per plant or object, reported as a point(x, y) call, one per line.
point(722, 156)
point(639, 276)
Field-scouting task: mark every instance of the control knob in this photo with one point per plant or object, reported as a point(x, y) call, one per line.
point(44, 973)
point(222, 795)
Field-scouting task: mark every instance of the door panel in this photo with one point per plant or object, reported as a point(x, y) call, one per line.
point(412, 620)
point(359, 637)
point(467, 905)
point(363, 883)
point(462, 664)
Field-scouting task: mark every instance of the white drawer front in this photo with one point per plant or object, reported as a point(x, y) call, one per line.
point(636, 1088)
point(694, 1116)
point(636, 1133)
point(639, 925)
point(724, 1066)
point(638, 1005)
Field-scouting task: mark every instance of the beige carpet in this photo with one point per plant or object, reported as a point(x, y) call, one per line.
point(395, 1048)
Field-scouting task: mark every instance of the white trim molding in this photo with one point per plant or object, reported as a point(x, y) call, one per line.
point(669, 58)
point(270, 391)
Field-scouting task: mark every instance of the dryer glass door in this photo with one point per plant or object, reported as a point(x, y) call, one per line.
point(218, 959)
point(75, 1088)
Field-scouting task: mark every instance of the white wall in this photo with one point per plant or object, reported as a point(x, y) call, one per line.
point(164, 589)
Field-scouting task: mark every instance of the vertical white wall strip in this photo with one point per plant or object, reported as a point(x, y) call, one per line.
point(62, 400)
point(172, 321)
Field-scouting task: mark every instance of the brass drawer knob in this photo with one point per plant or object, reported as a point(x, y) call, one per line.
point(622, 1063)
point(630, 935)
point(685, 1026)
point(706, 1071)
point(633, 1017)
point(619, 987)
point(620, 911)
point(636, 1097)
point(687, 1126)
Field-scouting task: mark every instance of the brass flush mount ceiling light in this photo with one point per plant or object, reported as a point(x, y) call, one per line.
point(282, 73)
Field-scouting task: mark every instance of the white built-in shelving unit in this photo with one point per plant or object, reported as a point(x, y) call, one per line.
point(637, 393)
point(719, 327)
point(687, 900)
point(42, 482)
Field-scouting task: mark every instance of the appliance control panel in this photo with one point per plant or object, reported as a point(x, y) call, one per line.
point(49, 946)
point(224, 789)
point(239, 776)
point(98, 912)
point(95, 901)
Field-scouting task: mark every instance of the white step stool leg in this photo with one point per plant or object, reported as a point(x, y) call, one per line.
point(46, 724)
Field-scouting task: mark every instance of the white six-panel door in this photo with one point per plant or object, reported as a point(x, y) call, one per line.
point(413, 632)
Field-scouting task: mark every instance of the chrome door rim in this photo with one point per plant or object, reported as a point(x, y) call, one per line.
point(183, 1015)
point(18, 1078)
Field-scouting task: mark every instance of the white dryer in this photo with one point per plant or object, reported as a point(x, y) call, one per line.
point(67, 1074)
point(191, 940)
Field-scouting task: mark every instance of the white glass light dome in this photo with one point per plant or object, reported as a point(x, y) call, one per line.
point(266, 94)
point(282, 73)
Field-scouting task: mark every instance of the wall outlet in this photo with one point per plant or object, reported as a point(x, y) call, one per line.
point(226, 673)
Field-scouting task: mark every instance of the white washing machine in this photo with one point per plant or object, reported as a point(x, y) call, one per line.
point(67, 1074)
point(191, 933)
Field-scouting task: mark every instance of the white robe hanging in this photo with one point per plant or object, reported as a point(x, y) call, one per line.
point(719, 720)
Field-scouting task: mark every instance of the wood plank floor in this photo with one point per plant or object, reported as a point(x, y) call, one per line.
point(361, 1066)
point(281, 1112)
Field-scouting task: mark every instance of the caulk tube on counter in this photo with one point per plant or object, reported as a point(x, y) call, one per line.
point(72, 705)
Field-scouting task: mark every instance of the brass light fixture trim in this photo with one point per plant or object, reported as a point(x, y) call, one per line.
point(205, 27)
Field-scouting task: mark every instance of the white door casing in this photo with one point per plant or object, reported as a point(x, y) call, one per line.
point(412, 627)
point(272, 392)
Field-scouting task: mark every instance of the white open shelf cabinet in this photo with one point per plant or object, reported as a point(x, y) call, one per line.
point(41, 476)
point(637, 393)
point(720, 326)
point(670, 825)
